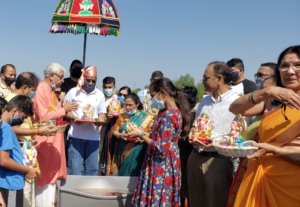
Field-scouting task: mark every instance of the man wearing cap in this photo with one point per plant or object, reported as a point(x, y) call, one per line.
point(145, 94)
point(84, 138)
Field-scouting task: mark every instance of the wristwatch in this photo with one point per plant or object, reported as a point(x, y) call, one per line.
point(142, 135)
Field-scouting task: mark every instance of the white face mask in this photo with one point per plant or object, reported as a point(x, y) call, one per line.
point(157, 104)
point(108, 92)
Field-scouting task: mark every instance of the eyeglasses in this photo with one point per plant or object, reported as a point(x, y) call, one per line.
point(59, 76)
point(261, 75)
point(206, 78)
point(285, 67)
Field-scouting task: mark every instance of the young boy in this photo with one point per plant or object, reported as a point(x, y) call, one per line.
point(12, 168)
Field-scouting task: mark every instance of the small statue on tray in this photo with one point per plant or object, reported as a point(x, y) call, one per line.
point(115, 108)
point(88, 112)
point(238, 125)
point(202, 129)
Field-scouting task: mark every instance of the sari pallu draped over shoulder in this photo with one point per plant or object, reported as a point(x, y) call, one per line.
point(271, 180)
point(129, 156)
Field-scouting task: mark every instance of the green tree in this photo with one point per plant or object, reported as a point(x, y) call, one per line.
point(184, 80)
point(200, 88)
point(135, 90)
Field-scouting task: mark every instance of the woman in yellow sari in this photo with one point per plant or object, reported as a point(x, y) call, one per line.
point(130, 152)
point(273, 173)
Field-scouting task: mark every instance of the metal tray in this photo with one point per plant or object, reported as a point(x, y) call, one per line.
point(77, 191)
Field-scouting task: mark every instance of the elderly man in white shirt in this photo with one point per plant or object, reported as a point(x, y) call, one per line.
point(84, 136)
point(209, 173)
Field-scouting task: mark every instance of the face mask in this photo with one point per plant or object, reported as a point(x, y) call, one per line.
point(260, 82)
point(9, 81)
point(130, 113)
point(53, 86)
point(76, 73)
point(157, 104)
point(235, 75)
point(89, 87)
point(121, 99)
point(16, 121)
point(108, 92)
point(31, 95)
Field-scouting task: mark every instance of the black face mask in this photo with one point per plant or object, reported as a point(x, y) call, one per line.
point(76, 73)
point(16, 121)
point(9, 81)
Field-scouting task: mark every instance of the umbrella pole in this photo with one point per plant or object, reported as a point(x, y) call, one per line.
point(84, 49)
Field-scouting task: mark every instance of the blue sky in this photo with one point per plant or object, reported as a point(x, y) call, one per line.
point(176, 37)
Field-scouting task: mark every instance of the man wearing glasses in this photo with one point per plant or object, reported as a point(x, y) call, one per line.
point(209, 173)
point(265, 75)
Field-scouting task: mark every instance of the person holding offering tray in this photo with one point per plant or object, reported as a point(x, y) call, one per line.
point(84, 137)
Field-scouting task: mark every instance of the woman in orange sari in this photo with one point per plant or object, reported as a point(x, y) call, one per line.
point(50, 149)
point(273, 173)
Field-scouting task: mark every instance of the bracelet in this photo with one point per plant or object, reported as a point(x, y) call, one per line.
point(251, 99)
point(142, 135)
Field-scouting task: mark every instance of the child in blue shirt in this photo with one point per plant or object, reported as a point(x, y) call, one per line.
point(12, 168)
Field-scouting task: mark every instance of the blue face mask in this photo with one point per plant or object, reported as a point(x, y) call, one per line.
point(108, 92)
point(121, 99)
point(260, 82)
point(53, 86)
point(157, 104)
point(130, 113)
point(89, 87)
point(16, 121)
point(235, 75)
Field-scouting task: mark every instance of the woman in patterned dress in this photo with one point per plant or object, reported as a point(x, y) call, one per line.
point(159, 183)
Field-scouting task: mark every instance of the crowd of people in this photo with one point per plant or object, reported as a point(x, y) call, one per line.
point(58, 126)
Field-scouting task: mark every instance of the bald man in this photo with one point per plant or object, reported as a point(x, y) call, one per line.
point(84, 138)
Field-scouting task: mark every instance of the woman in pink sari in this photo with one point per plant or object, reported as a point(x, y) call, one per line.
point(51, 149)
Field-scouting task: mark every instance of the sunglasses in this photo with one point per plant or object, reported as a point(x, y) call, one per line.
point(261, 75)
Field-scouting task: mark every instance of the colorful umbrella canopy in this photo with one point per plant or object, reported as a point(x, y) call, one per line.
point(98, 17)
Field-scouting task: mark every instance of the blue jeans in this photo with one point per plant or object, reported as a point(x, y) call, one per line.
point(83, 156)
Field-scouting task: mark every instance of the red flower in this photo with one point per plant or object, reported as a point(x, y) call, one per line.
point(166, 134)
point(172, 153)
point(168, 181)
point(159, 171)
point(166, 147)
point(174, 119)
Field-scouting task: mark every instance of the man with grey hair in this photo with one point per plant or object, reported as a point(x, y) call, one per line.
point(209, 173)
point(50, 148)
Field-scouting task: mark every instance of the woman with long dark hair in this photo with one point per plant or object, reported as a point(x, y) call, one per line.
point(159, 183)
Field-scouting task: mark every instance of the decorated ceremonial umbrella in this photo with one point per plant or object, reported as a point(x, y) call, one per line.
point(98, 17)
